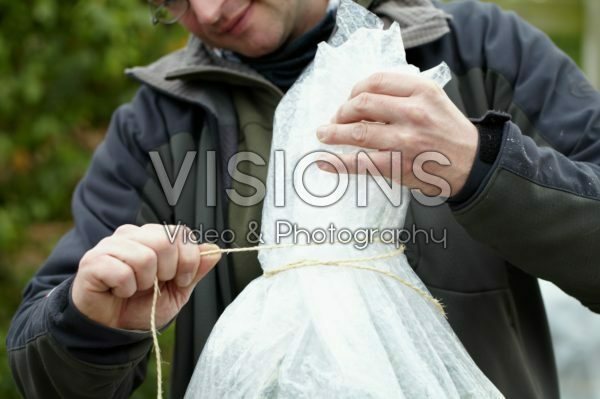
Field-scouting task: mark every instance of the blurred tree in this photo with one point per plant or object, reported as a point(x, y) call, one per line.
point(61, 77)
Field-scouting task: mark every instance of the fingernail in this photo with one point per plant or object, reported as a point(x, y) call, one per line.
point(324, 165)
point(213, 247)
point(322, 133)
point(210, 247)
point(184, 279)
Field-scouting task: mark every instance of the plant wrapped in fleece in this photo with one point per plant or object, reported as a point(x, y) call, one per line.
point(367, 328)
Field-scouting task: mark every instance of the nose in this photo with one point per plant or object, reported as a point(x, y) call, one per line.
point(208, 12)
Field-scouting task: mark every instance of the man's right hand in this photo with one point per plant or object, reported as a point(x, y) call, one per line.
point(114, 285)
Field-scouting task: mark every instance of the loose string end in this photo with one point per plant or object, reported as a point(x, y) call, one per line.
point(159, 389)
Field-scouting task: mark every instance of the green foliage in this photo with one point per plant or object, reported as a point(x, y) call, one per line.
point(61, 76)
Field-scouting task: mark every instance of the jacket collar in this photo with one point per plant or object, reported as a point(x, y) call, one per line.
point(173, 73)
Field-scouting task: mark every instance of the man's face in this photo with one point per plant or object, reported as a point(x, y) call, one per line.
point(251, 27)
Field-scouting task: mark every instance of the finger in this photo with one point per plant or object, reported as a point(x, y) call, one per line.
point(142, 259)
point(207, 262)
point(114, 275)
point(361, 134)
point(155, 237)
point(377, 163)
point(188, 262)
point(368, 107)
point(391, 84)
point(389, 164)
point(167, 251)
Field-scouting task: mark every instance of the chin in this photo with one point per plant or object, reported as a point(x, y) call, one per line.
point(259, 44)
point(255, 52)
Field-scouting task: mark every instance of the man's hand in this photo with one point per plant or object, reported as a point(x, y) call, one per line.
point(115, 280)
point(413, 116)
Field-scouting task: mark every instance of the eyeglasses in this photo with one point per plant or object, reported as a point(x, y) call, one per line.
point(167, 12)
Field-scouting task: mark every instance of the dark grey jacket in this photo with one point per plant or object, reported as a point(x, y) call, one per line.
point(534, 213)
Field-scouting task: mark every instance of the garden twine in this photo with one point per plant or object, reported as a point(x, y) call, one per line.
point(350, 263)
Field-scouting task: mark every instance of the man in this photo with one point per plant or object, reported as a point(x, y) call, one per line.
point(525, 194)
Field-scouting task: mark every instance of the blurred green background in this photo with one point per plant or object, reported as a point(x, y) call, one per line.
point(61, 76)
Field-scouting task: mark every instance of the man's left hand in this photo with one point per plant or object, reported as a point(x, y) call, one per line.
point(393, 112)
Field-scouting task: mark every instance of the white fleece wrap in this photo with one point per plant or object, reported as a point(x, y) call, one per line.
point(335, 332)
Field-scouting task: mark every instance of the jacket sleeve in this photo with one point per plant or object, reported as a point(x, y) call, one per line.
point(55, 351)
point(539, 206)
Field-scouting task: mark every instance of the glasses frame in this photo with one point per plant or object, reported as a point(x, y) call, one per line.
point(156, 9)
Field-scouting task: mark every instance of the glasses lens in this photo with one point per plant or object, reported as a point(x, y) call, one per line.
point(167, 12)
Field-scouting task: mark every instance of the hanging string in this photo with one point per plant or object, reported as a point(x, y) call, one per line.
point(159, 389)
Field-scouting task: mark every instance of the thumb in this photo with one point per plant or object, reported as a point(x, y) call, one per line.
point(209, 256)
